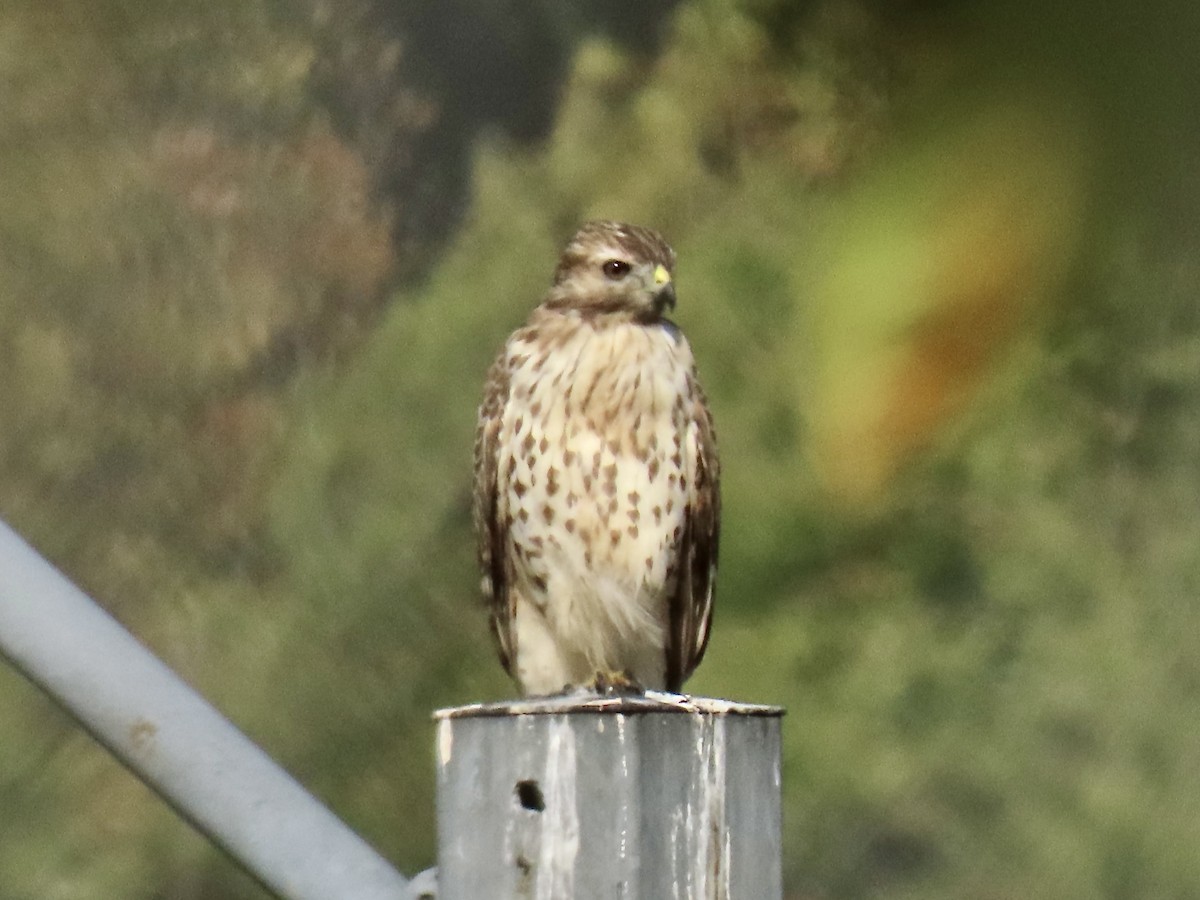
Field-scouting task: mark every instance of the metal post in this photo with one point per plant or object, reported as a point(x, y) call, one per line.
point(583, 797)
point(176, 742)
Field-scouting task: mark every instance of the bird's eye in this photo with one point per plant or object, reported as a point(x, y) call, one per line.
point(615, 269)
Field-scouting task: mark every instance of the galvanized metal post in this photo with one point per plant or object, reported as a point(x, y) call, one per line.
point(586, 797)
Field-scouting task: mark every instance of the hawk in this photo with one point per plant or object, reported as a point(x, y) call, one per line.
point(596, 501)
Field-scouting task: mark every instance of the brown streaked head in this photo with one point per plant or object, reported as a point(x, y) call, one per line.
point(616, 269)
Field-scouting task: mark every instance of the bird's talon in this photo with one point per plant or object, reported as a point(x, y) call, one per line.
point(611, 684)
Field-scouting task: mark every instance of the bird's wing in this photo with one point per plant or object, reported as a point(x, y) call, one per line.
point(491, 528)
point(691, 607)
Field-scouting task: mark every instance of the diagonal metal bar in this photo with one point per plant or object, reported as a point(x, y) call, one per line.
point(172, 739)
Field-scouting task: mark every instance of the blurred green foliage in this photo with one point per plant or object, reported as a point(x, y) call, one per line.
point(937, 261)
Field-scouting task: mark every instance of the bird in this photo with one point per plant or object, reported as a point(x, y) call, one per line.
point(596, 498)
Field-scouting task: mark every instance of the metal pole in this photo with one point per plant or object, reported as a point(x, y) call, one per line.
point(176, 742)
point(583, 797)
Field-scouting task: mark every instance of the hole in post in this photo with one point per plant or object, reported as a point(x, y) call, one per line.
point(529, 795)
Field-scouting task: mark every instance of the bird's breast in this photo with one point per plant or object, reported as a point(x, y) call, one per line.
point(595, 435)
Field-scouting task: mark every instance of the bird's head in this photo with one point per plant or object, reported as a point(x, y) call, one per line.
point(609, 268)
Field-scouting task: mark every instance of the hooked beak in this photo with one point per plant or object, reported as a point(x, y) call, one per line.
point(665, 298)
point(664, 295)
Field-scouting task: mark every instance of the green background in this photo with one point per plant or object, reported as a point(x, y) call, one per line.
point(939, 264)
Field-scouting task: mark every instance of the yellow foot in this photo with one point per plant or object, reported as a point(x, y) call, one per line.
point(610, 683)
